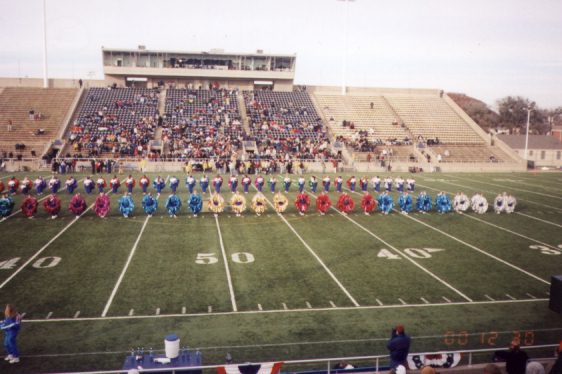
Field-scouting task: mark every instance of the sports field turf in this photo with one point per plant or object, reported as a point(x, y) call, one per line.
point(283, 287)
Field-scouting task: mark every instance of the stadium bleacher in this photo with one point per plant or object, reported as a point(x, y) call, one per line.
point(50, 107)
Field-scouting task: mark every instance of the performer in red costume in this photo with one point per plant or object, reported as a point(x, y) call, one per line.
point(368, 203)
point(77, 205)
point(101, 206)
point(345, 203)
point(302, 203)
point(29, 206)
point(52, 205)
point(323, 203)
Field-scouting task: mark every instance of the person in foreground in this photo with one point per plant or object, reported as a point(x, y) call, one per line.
point(11, 326)
point(398, 346)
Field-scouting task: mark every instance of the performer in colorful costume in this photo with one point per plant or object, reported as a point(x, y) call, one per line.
point(130, 183)
point(364, 184)
point(406, 203)
point(411, 184)
point(149, 204)
point(26, 185)
point(77, 204)
point(368, 203)
point(246, 182)
point(345, 203)
point(52, 205)
point(126, 205)
point(54, 184)
point(259, 182)
point(301, 181)
point(217, 183)
point(351, 182)
point(190, 183)
point(326, 183)
point(442, 203)
point(339, 183)
point(6, 205)
point(195, 203)
point(376, 182)
point(280, 202)
point(323, 203)
point(259, 204)
point(399, 182)
point(159, 184)
point(386, 203)
point(40, 185)
point(13, 185)
point(387, 184)
point(144, 182)
point(101, 184)
point(173, 205)
point(461, 203)
point(479, 204)
point(71, 184)
point(272, 183)
point(204, 183)
point(511, 202)
point(302, 202)
point(29, 206)
point(114, 184)
point(500, 203)
point(174, 183)
point(238, 203)
point(287, 183)
point(216, 203)
point(102, 205)
point(313, 183)
point(423, 202)
point(233, 183)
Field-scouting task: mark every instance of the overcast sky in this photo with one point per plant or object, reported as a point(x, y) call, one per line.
point(485, 48)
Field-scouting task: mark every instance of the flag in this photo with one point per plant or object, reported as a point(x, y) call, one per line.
point(264, 368)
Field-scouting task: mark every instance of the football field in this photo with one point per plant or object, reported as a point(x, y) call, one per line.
point(283, 286)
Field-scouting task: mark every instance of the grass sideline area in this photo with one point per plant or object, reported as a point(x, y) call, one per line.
point(303, 286)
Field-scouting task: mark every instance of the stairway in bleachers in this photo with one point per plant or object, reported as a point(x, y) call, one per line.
point(15, 104)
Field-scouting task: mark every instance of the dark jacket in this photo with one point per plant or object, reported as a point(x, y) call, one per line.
point(557, 367)
point(399, 346)
point(515, 361)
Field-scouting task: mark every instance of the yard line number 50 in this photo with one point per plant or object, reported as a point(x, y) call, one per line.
point(211, 258)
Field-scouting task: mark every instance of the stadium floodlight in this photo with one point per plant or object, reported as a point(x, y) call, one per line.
point(529, 109)
point(344, 62)
point(45, 79)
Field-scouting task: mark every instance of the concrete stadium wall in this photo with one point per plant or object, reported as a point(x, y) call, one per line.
point(374, 91)
point(53, 83)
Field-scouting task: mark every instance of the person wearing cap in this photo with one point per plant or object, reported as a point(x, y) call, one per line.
point(398, 346)
point(557, 367)
point(515, 358)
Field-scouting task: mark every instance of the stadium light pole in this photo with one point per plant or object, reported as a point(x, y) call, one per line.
point(529, 110)
point(344, 63)
point(45, 79)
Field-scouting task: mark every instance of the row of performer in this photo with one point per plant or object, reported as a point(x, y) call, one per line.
point(54, 184)
point(384, 203)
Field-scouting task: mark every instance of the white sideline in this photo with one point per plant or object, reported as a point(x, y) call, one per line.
point(402, 255)
point(279, 311)
point(345, 291)
point(526, 215)
point(541, 186)
point(227, 269)
point(538, 219)
point(512, 188)
point(129, 259)
point(44, 247)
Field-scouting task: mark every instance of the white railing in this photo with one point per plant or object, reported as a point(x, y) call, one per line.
point(375, 360)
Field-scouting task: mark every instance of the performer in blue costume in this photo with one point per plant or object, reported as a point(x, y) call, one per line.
point(6, 205)
point(272, 183)
point(190, 183)
point(149, 204)
point(339, 183)
point(351, 182)
point(40, 185)
point(443, 203)
point(233, 183)
point(88, 185)
point(71, 184)
point(195, 203)
point(217, 183)
point(376, 182)
point(159, 184)
point(301, 181)
point(326, 183)
point(204, 183)
point(126, 205)
point(423, 202)
point(287, 183)
point(259, 182)
point(11, 326)
point(406, 203)
point(54, 184)
point(174, 183)
point(364, 184)
point(144, 182)
point(173, 204)
point(246, 182)
point(385, 202)
point(313, 183)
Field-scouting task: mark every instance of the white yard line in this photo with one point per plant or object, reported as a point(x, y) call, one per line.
point(489, 298)
point(122, 275)
point(510, 297)
point(227, 269)
point(479, 250)
point(44, 247)
point(434, 276)
point(276, 311)
point(340, 285)
point(538, 219)
point(541, 186)
point(511, 188)
point(424, 300)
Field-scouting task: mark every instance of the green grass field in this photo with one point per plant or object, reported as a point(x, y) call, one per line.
point(281, 288)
